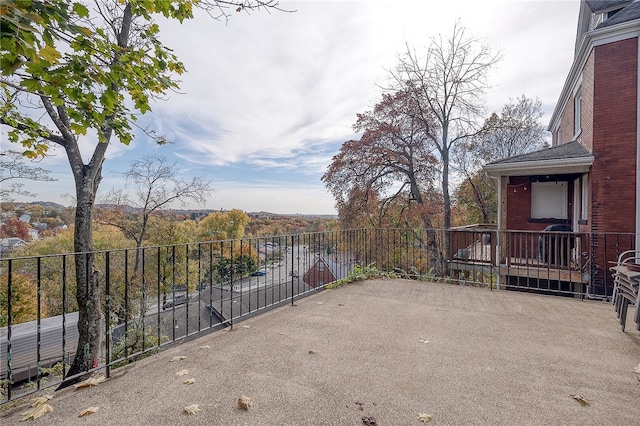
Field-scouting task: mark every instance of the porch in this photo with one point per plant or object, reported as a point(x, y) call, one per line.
point(572, 263)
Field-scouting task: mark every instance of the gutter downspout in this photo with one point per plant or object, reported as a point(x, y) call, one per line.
point(499, 184)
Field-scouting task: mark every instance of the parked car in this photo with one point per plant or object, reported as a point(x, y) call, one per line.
point(258, 274)
point(179, 300)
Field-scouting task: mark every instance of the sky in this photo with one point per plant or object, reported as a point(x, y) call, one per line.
point(269, 97)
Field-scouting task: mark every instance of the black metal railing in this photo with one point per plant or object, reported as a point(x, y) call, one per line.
point(154, 296)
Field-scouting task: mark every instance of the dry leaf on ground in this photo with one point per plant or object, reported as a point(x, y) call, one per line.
point(189, 381)
point(246, 326)
point(244, 402)
point(204, 347)
point(88, 411)
point(36, 412)
point(182, 373)
point(178, 358)
point(637, 369)
point(424, 417)
point(319, 303)
point(581, 400)
point(91, 381)
point(424, 340)
point(312, 351)
point(41, 400)
point(191, 409)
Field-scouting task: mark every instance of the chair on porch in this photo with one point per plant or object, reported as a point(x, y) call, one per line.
point(626, 275)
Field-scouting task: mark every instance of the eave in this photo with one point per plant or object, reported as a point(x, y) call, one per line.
point(540, 167)
point(590, 40)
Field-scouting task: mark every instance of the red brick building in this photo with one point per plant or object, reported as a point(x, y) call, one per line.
point(588, 179)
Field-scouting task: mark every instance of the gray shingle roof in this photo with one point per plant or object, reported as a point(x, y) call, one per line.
point(568, 150)
point(629, 13)
point(599, 5)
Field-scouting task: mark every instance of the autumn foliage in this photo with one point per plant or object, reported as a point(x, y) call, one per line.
point(14, 228)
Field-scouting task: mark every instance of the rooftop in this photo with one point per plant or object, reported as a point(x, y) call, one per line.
point(384, 350)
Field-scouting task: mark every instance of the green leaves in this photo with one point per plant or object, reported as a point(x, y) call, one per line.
point(80, 10)
point(69, 59)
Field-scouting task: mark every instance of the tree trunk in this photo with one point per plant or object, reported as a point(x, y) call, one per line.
point(87, 179)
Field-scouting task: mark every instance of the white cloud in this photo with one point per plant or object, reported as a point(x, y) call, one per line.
point(272, 95)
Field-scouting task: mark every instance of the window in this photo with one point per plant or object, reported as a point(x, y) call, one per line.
point(611, 13)
point(549, 200)
point(577, 111)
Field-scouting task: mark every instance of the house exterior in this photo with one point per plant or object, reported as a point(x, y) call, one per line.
point(8, 244)
point(324, 271)
point(588, 179)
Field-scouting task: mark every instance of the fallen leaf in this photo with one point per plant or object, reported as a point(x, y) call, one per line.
point(191, 409)
point(637, 369)
point(182, 373)
point(41, 400)
point(246, 326)
point(581, 400)
point(319, 303)
point(312, 351)
point(424, 417)
point(340, 304)
point(244, 402)
point(204, 347)
point(369, 421)
point(36, 412)
point(88, 411)
point(189, 381)
point(424, 340)
point(91, 381)
point(177, 358)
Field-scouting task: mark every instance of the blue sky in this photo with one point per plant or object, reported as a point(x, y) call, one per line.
point(269, 98)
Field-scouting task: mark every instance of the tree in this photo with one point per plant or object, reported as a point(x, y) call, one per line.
point(151, 185)
point(517, 130)
point(14, 228)
point(224, 226)
point(53, 273)
point(12, 167)
point(390, 167)
point(391, 161)
point(447, 85)
point(24, 300)
point(89, 73)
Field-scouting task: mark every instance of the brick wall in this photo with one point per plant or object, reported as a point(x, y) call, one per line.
point(586, 135)
point(612, 177)
point(519, 204)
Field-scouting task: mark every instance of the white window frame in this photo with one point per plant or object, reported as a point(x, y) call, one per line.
point(584, 197)
point(549, 200)
point(577, 112)
point(559, 134)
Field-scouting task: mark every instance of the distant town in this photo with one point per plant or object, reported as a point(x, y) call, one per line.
point(24, 222)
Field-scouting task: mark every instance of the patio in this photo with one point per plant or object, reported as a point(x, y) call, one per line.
point(387, 350)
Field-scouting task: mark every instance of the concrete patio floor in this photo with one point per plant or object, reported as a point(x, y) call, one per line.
point(385, 351)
